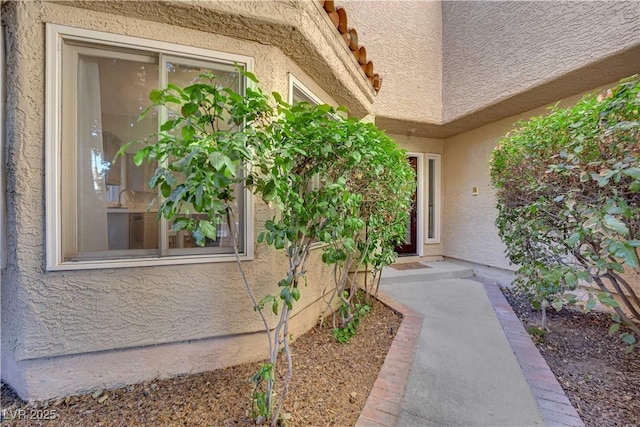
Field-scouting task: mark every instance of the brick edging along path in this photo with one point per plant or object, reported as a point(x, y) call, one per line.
point(383, 406)
point(384, 403)
point(554, 405)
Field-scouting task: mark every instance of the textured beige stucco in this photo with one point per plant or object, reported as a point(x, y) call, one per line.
point(495, 50)
point(49, 316)
point(495, 59)
point(468, 231)
point(300, 29)
point(404, 41)
point(45, 378)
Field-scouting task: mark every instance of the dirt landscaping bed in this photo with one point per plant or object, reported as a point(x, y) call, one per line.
point(602, 382)
point(330, 385)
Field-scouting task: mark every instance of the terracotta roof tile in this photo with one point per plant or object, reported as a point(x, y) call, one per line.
point(338, 16)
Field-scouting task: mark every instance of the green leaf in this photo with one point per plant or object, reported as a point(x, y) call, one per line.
point(250, 76)
point(165, 189)
point(571, 279)
point(615, 224)
point(180, 224)
point(324, 108)
point(230, 165)
point(208, 229)
point(216, 159)
point(574, 239)
point(632, 172)
point(140, 156)
point(269, 192)
point(189, 109)
point(625, 252)
point(557, 304)
point(614, 328)
point(606, 299)
point(627, 338)
point(198, 237)
point(155, 96)
point(356, 156)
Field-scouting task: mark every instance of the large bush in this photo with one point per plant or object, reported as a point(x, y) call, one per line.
point(568, 191)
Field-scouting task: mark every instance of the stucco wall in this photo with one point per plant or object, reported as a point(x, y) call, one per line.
point(468, 226)
point(404, 40)
point(51, 314)
point(494, 50)
point(300, 29)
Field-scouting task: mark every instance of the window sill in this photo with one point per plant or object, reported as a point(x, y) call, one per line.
point(146, 262)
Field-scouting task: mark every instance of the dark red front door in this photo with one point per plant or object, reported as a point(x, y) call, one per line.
point(411, 246)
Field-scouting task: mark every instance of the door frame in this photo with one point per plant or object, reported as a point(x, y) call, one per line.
point(419, 238)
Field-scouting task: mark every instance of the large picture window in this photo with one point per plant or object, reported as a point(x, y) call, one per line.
point(100, 210)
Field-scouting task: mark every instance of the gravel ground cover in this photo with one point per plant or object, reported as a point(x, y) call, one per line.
point(602, 382)
point(330, 385)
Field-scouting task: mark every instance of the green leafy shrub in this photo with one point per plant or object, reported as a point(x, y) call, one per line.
point(307, 162)
point(568, 192)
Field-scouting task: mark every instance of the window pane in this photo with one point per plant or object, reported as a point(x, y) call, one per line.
point(111, 195)
point(182, 242)
point(108, 211)
point(299, 96)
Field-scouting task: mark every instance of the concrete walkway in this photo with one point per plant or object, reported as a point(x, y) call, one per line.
point(464, 372)
point(461, 357)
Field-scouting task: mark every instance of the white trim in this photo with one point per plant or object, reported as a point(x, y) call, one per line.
point(419, 201)
point(297, 83)
point(438, 200)
point(56, 36)
point(53, 244)
point(150, 262)
point(59, 32)
point(3, 168)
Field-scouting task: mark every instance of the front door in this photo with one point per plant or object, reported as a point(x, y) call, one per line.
point(410, 247)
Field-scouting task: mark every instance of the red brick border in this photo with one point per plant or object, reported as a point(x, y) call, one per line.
point(383, 406)
point(554, 405)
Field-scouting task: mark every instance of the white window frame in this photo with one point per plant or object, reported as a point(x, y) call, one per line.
point(296, 83)
point(56, 37)
point(438, 200)
point(420, 201)
point(3, 167)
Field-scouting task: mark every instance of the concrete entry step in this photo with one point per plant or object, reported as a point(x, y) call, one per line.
point(418, 271)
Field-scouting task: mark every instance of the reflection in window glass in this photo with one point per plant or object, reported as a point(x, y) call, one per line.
point(431, 199)
point(111, 195)
point(108, 210)
point(183, 75)
point(300, 96)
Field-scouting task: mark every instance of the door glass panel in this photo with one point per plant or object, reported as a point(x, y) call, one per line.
point(431, 200)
